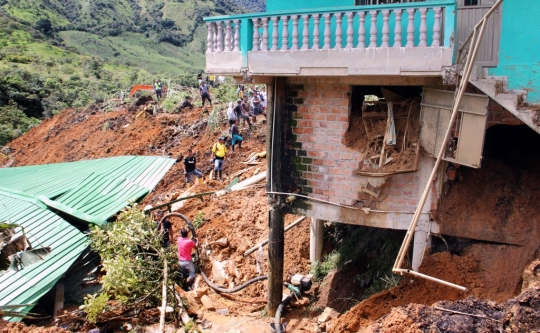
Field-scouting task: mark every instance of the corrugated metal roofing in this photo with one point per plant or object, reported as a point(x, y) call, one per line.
point(43, 228)
point(91, 191)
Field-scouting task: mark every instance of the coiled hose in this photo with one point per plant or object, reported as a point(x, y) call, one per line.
point(196, 261)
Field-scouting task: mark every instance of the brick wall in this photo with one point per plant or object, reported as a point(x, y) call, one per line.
point(498, 115)
point(323, 167)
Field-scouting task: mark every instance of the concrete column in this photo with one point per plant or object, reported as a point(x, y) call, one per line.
point(421, 243)
point(316, 235)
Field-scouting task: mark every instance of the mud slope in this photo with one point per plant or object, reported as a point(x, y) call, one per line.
point(498, 200)
point(241, 217)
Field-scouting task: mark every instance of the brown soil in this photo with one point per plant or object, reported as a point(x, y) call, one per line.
point(241, 216)
point(7, 327)
point(519, 314)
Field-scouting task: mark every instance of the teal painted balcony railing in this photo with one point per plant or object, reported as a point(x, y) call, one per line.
point(407, 25)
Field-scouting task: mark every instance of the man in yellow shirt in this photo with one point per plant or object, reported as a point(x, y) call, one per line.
point(219, 152)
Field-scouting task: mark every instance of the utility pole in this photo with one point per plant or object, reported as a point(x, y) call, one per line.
point(276, 95)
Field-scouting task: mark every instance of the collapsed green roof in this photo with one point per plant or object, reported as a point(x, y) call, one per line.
point(88, 191)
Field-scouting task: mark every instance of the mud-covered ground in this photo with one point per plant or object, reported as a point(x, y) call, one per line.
point(241, 218)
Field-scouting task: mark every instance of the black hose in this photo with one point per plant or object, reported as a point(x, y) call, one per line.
point(233, 290)
point(205, 278)
point(277, 318)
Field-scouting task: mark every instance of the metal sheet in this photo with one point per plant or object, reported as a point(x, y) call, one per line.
point(89, 191)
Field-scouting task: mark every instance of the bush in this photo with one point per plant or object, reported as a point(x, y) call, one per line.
point(320, 269)
point(131, 254)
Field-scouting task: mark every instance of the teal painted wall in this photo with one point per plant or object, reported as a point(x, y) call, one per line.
point(519, 55)
point(273, 5)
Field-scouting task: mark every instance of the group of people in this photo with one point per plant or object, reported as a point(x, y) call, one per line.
point(219, 154)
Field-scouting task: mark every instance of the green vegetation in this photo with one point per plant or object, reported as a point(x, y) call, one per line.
point(320, 269)
point(57, 54)
point(198, 220)
point(254, 6)
point(131, 254)
point(370, 248)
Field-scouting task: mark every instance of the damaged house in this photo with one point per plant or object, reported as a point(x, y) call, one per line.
point(361, 98)
point(48, 208)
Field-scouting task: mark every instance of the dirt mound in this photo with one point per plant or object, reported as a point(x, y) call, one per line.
point(241, 217)
point(519, 314)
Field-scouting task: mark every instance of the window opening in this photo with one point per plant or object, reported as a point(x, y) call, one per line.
point(471, 2)
point(384, 126)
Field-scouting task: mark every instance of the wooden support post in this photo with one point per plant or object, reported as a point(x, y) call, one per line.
point(275, 259)
point(275, 216)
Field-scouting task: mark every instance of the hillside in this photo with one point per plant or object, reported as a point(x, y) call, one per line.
point(56, 54)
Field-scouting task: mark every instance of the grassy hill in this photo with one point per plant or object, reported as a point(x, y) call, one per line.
point(56, 54)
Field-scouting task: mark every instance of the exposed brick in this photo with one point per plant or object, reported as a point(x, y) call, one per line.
point(331, 118)
point(318, 161)
point(329, 163)
point(303, 109)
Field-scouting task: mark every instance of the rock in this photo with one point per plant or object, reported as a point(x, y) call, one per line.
point(328, 314)
point(301, 302)
point(207, 303)
point(199, 292)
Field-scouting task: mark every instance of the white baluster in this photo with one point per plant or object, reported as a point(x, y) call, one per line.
point(327, 18)
point(437, 28)
point(236, 35)
point(350, 32)
point(256, 46)
point(410, 27)
point(361, 30)
point(316, 32)
point(216, 36)
point(305, 32)
point(294, 45)
point(285, 33)
point(386, 28)
point(373, 29)
point(228, 36)
point(220, 36)
point(339, 31)
point(210, 37)
point(397, 29)
point(275, 32)
point(265, 34)
point(423, 28)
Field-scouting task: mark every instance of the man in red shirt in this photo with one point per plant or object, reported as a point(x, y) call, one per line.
point(185, 245)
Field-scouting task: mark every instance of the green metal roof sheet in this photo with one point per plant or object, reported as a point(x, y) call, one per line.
point(90, 191)
point(43, 228)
